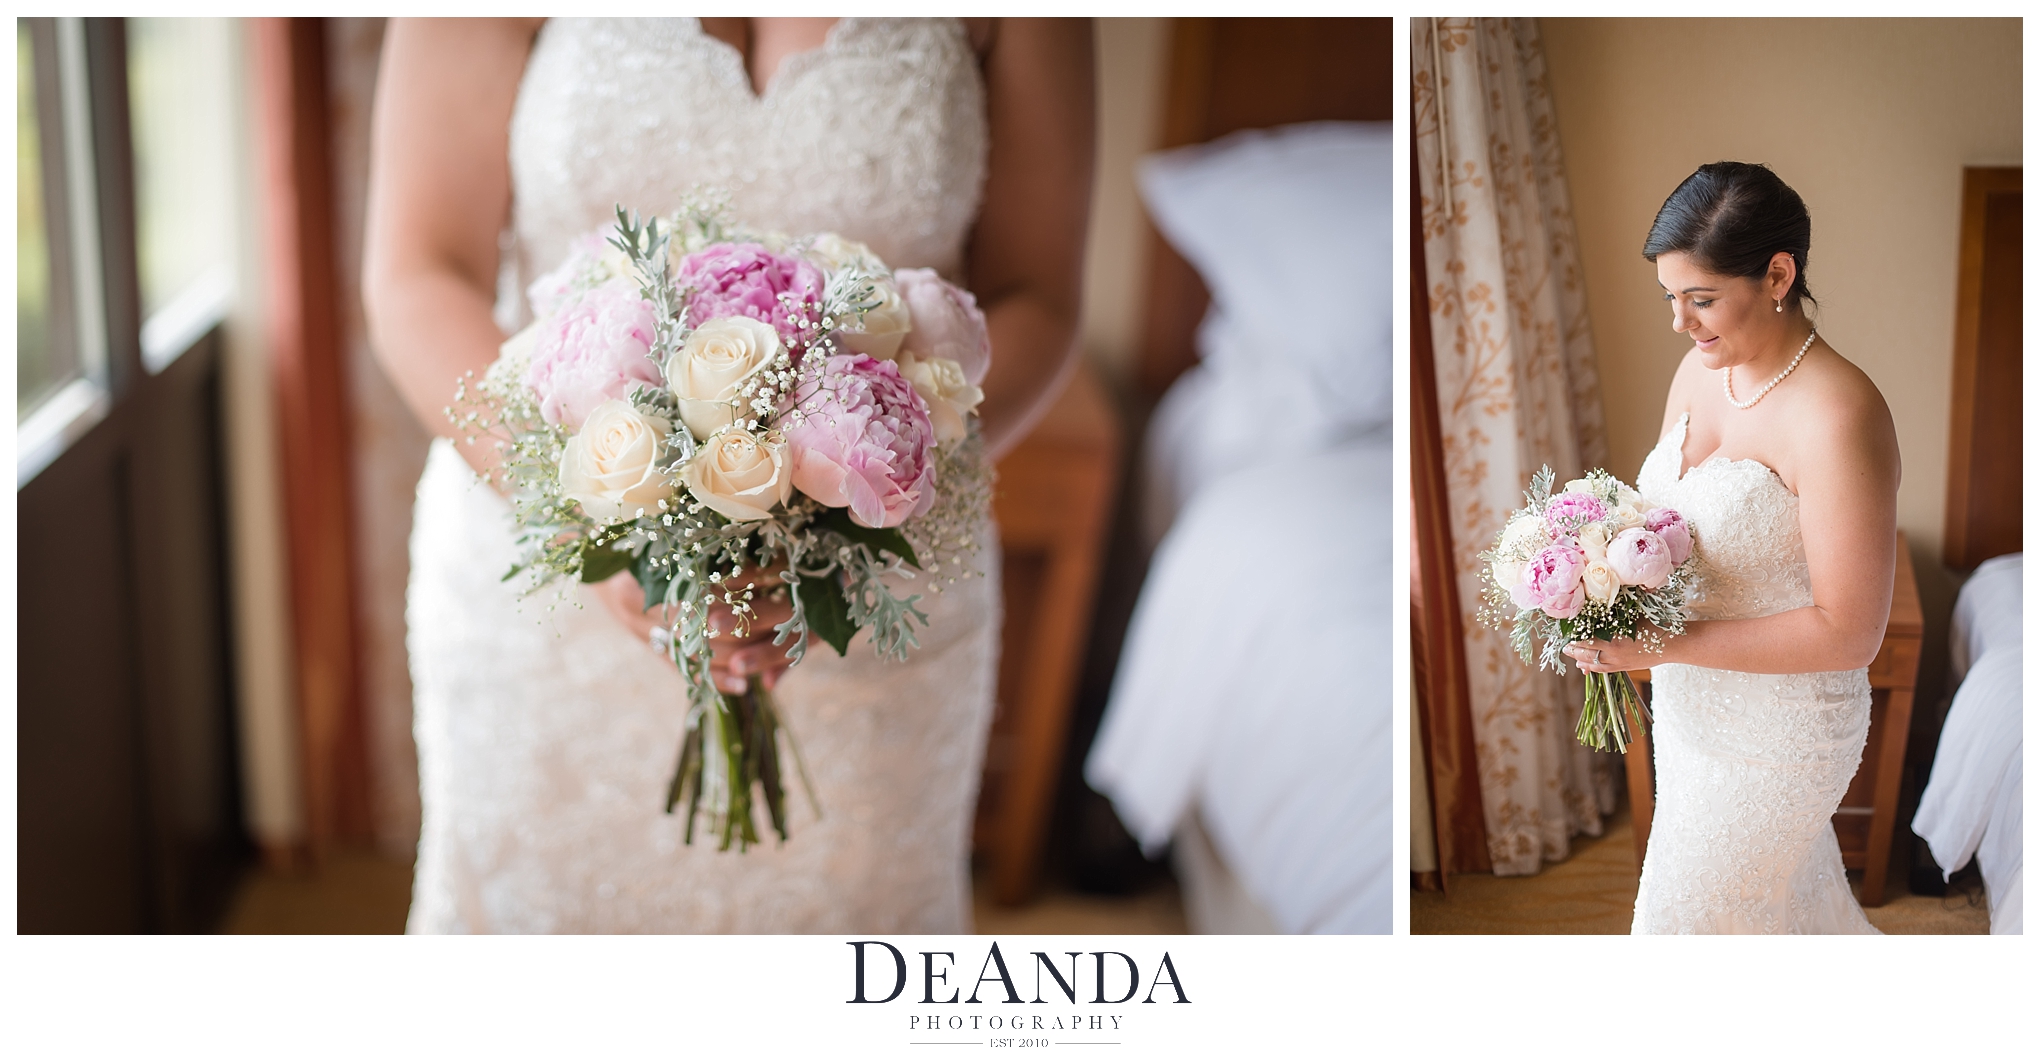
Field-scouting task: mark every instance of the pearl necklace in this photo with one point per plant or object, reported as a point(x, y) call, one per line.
point(1728, 376)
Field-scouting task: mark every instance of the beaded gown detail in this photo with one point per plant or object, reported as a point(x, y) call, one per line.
point(546, 731)
point(1750, 767)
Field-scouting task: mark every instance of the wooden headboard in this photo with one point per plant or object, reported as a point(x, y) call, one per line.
point(1226, 74)
point(1985, 463)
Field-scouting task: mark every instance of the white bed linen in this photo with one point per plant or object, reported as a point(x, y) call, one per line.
point(1973, 805)
point(1250, 719)
point(1254, 686)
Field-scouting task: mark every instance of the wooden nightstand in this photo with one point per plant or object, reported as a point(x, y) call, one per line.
point(1054, 507)
point(1869, 809)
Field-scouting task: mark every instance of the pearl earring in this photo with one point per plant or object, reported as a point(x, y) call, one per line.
point(1779, 306)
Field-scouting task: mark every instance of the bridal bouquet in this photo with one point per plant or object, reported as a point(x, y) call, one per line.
point(1594, 561)
point(726, 414)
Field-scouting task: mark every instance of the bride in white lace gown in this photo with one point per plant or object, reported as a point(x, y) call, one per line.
point(1783, 458)
point(547, 731)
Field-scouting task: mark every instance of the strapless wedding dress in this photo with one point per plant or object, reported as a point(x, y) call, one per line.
point(1750, 768)
point(546, 731)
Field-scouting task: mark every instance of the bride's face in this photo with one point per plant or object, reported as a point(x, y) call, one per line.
point(1727, 317)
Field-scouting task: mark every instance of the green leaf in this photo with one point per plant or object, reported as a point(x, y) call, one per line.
point(828, 611)
point(885, 540)
point(652, 578)
point(599, 561)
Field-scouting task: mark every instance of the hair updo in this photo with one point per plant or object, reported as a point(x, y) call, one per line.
point(1732, 217)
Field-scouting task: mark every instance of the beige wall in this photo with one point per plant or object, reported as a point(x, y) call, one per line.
point(1132, 72)
point(1872, 121)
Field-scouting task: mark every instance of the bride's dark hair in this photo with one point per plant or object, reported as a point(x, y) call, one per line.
point(1732, 217)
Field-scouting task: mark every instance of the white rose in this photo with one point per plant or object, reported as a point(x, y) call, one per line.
point(834, 252)
point(1508, 573)
point(878, 331)
point(1522, 531)
point(612, 466)
point(1594, 538)
point(1624, 517)
point(739, 475)
point(1600, 579)
point(705, 374)
point(950, 397)
point(1582, 485)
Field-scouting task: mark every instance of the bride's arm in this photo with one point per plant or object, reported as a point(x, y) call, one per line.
point(1848, 480)
point(438, 198)
point(1026, 255)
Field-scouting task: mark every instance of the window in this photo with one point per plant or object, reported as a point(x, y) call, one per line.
point(32, 249)
point(180, 108)
point(61, 376)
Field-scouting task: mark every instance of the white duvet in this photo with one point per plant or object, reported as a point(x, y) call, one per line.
point(1973, 805)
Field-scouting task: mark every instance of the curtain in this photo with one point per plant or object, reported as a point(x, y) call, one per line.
point(1516, 389)
point(1453, 828)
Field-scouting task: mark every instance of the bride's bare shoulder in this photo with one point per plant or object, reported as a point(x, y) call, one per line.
point(1841, 408)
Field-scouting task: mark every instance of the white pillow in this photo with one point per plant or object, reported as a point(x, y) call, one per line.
point(1290, 228)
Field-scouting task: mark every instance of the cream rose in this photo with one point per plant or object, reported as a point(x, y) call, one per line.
point(739, 475)
point(834, 252)
point(712, 364)
point(612, 466)
point(1624, 517)
point(878, 331)
point(1508, 572)
point(1600, 579)
point(1594, 538)
point(950, 397)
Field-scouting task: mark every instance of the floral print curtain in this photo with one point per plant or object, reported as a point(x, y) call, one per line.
point(1517, 389)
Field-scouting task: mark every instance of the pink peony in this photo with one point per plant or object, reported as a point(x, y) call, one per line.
point(592, 352)
point(947, 323)
point(1567, 512)
point(1552, 579)
point(1671, 528)
point(746, 281)
point(863, 442)
point(1640, 557)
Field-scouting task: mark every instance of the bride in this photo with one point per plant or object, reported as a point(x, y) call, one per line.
point(1783, 457)
point(547, 728)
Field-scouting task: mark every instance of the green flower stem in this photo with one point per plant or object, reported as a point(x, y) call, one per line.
point(1611, 701)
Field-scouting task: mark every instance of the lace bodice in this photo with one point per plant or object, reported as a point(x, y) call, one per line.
point(1750, 767)
point(546, 732)
point(878, 135)
point(1745, 527)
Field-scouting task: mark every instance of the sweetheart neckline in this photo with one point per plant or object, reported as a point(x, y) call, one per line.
point(796, 63)
point(1684, 473)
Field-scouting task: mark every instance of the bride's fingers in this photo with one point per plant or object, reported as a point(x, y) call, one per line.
point(733, 671)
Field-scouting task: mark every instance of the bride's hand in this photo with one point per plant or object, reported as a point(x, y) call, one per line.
point(1612, 655)
point(624, 598)
point(733, 658)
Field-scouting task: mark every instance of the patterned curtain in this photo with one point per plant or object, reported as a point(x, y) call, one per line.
point(1516, 389)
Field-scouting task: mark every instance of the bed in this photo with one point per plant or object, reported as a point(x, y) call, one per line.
point(1249, 724)
point(1973, 804)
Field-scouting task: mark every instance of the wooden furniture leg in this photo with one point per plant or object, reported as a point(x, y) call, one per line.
point(1054, 504)
point(1865, 821)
